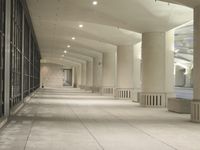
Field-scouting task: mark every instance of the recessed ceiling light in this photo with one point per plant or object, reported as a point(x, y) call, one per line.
point(73, 38)
point(68, 46)
point(80, 26)
point(95, 2)
point(65, 52)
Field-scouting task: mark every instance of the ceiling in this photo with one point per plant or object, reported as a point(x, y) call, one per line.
point(105, 26)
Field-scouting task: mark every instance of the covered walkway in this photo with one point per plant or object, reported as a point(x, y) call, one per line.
point(72, 119)
point(99, 74)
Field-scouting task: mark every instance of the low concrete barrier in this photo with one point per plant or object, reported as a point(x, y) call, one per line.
point(179, 105)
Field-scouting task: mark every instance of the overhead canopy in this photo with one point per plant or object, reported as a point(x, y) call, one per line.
point(105, 26)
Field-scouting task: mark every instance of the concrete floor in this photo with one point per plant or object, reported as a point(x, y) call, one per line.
point(92, 123)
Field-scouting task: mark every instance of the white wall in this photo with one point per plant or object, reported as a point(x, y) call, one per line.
point(51, 75)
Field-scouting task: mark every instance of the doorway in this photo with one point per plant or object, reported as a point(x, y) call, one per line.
point(67, 73)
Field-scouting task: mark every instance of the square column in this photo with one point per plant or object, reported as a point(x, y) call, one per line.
point(157, 69)
point(195, 107)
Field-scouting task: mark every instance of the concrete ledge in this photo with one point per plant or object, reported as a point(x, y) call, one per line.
point(179, 105)
point(28, 98)
point(16, 108)
point(19, 106)
point(3, 121)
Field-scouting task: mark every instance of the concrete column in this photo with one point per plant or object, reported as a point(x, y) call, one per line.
point(157, 68)
point(78, 76)
point(89, 83)
point(180, 76)
point(124, 72)
point(108, 78)
point(125, 67)
point(108, 69)
point(73, 76)
point(136, 70)
point(195, 108)
point(97, 73)
point(188, 75)
point(83, 75)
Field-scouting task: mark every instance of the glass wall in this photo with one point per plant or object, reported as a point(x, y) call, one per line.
point(25, 55)
point(26, 58)
point(16, 52)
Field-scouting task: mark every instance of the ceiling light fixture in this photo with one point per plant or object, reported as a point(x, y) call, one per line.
point(80, 26)
point(65, 52)
point(95, 2)
point(73, 38)
point(68, 46)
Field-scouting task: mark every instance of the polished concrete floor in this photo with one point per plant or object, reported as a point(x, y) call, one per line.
point(70, 119)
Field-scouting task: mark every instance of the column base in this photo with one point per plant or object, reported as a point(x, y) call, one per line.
point(96, 89)
point(88, 88)
point(153, 99)
point(107, 90)
point(195, 111)
point(81, 86)
point(124, 93)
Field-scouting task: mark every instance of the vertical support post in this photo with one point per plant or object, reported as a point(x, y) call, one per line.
point(7, 59)
point(80, 75)
point(116, 76)
point(195, 106)
point(92, 72)
point(22, 65)
point(30, 47)
point(73, 76)
point(33, 69)
point(157, 66)
point(125, 66)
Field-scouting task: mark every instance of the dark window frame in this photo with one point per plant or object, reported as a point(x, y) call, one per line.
point(2, 53)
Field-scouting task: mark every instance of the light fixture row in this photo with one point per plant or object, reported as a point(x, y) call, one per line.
point(73, 38)
point(80, 26)
point(95, 3)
